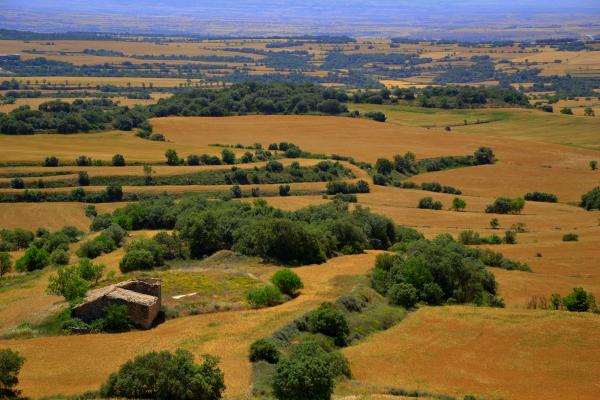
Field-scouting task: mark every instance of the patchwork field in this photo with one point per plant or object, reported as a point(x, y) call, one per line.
point(511, 353)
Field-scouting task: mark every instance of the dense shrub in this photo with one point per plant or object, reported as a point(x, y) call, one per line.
point(458, 204)
point(116, 318)
point(458, 272)
point(136, 260)
point(430, 204)
point(118, 160)
point(68, 283)
point(287, 281)
point(403, 294)
point(10, 366)
point(284, 190)
point(5, 263)
point(376, 116)
point(164, 375)
point(50, 162)
point(330, 321)
point(17, 183)
point(484, 155)
point(59, 257)
point(570, 237)
point(33, 259)
point(290, 242)
point(591, 200)
point(579, 300)
point(305, 374)
point(264, 296)
point(264, 350)
point(541, 196)
point(503, 205)
point(335, 187)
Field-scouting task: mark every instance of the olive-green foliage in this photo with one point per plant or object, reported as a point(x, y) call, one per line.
point(137, 259)
point(305, 374)
point(579, 300)
point(59, 257)
point(12, 240)
point(403, 294)
point(308, 235)
point(503, 205)
point(591, 200)
point(10, 366)
point(458, 204)
point(457, 272)
point(329, 321)
point(570, 237)
point(264, 296)
point(5, 263)
point(265, 350)
point(287, 281)
point(429, 203)
point(68, 283)
point(164, 376)
point(116, 318)
point(34, 258)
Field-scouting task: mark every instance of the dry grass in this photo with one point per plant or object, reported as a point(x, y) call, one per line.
point(51, 360)
point(52, 216)
point(488, 352)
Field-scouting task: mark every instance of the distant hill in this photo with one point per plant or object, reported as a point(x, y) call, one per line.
point(466, 20)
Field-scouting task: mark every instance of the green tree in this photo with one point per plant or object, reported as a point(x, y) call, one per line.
point(589, 112)
point(287, 281)
point(172, 157)
point(83, 179)
point(305, 374)
point(579, 300)
point(484, 155)
point(594, 165)
point(164, 376)
point(118, 160)
point(228, 156)
point(458, 204)
point(236, 191)
point(329, 321)
point(264, 350)
point(114, 192)
point(116, 318)
point(33, 259)
point(5, 263)
point(68, 283)
point(148, 174)
point(403, 294)
point(384, 166)
point(10, 366)
point(494, 223)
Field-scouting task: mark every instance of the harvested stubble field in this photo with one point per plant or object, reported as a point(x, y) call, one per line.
point(533, 125)
point(511, 353)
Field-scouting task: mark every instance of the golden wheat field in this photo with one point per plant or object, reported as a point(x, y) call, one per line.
point(512, 353)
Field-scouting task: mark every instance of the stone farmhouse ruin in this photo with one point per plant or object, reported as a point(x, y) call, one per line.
point(141, 296)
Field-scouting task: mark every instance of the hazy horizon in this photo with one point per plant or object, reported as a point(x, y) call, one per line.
point(425, 19)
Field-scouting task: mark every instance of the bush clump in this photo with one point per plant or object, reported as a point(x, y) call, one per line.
point(440, 270)
point(305, 374)
point(287, 281)
point(264, 296)
point(429, 204)
point(165, 375)
point(503, 205)
point(264, 350)
point(541, 196)
point(570, 237)
point(591, 200)
point(329, 321)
